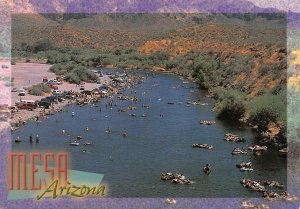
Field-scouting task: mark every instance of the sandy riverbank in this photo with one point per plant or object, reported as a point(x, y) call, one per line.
point(28, 74)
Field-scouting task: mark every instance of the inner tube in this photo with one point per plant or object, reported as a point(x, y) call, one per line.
point(206, 170)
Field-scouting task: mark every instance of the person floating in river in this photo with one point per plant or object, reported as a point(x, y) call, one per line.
point(18, 139)
point(63, 131)
point(124, 134)
point(37, 138)
point(108, 130)
point(73, 114)
point(87, 128)
point(30, 138)
point(207, 169)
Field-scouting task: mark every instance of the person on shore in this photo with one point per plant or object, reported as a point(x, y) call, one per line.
point(37, 139)
point(207, 169)
point(30, 138)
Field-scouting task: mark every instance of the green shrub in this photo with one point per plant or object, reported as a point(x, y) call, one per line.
point(206, 73)
point(80, 73)
point(39, 89)
point(43, 45)
point(72, 77)
point(230, 105)
point(266, 109)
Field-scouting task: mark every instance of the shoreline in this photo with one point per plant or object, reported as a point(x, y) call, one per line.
point(19, 117)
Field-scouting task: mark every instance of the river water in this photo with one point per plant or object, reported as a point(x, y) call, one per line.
point(132, 165)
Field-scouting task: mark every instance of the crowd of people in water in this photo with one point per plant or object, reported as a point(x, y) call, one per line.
point(258, 186)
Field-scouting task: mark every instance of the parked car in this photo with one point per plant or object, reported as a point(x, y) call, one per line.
point(54, 92)
point(45, 103)
point(54, 82)
point(81, 88)
point(57, 82)
point(14, 90)
point(51, 86)
point(45, 79)
point(21, 92)
point(26, 104)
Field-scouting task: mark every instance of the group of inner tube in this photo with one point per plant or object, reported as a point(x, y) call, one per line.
point(76, 143)
point(257, 186)
point(132, 107)
point(253, 185)
point(233, 138)
point(176, 178)
point(132, 98)
point(196, 103)
point(275, 184)
point(207, 122)
point(245, 166)
point(258, 148)
point(238, 151)
point(204, 146)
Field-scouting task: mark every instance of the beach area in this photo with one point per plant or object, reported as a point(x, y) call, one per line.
point(26, 75)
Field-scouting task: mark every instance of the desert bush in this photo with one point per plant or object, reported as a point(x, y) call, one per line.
point(80, 73)
point(43, 45)
point(206, 73)
point(39, 89)
point(266, 109)
point(72, 77)
point(230, 105)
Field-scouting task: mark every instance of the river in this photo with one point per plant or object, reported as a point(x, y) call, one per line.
point(132, 165)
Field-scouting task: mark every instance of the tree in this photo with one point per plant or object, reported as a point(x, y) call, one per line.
point(230, 105)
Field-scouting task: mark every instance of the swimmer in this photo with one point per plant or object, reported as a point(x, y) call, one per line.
point(30, 138)
point(108, 130)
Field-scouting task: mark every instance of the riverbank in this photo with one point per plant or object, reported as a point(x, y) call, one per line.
point(24, 79)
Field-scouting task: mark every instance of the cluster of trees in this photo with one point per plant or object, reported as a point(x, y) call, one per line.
point(74, 73)
point(262, 110)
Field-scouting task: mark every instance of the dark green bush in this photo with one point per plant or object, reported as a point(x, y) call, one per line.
point(39, 89)
point(266, 109)
point(43, 45)
point(230, 105)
